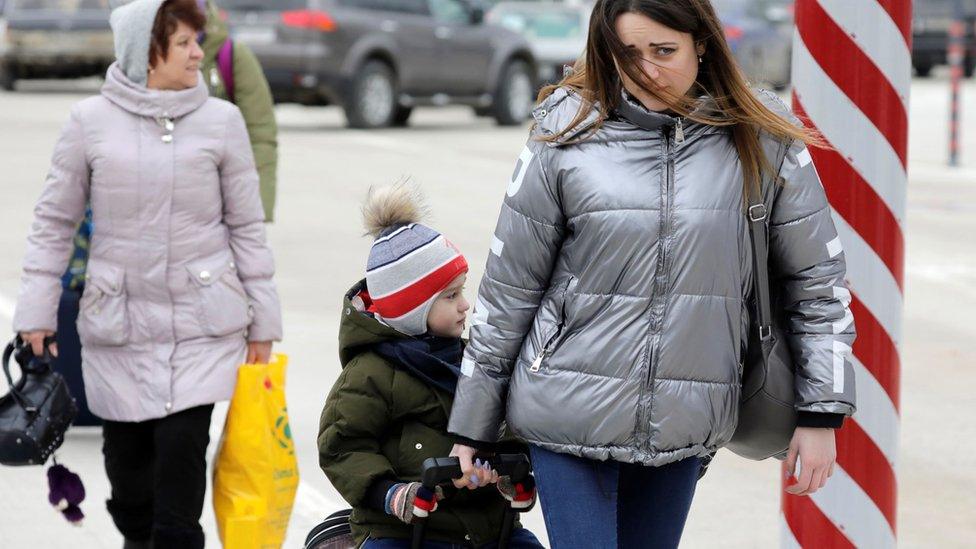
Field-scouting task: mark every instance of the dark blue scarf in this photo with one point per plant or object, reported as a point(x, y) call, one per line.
point(434, 360)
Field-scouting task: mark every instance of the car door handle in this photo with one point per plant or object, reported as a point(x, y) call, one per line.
point(443, 33)
point(388, 25)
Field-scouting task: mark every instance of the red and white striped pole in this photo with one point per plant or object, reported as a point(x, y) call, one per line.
point(851, 78)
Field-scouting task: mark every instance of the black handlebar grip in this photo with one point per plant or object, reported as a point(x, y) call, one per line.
point(440, 470)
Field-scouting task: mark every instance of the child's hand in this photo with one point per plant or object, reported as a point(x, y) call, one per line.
point(401, 501)
point(522, 495)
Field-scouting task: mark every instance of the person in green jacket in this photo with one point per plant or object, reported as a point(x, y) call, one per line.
point(400, 347)
point(251, 95)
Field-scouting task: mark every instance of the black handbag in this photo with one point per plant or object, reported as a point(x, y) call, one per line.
point(767, 417)
point(37, 411)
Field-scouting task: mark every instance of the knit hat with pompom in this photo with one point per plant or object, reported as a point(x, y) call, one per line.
point(409, 263)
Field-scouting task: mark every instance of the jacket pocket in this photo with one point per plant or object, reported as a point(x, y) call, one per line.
point(556, 333)
point(221, 302)
point(103, 317)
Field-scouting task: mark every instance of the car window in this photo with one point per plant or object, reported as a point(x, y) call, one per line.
point(941, 8)
point(729, 6)
point(448, 11)
point(414, 7)
point(68, 6)
point(262, 5)
point(542, 24)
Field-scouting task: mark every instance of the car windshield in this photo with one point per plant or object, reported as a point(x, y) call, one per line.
point(65, 6)
point(552, 23)
point(262, 5)
point(726, 6)
point(944, 8)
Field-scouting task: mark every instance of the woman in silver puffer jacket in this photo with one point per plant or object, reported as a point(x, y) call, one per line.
point(613, 318)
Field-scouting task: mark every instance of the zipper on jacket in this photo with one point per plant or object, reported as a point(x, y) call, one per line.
point(679, 132)
point(547, 348)
point(665, 224)
point(644, 412)
point(550, 343)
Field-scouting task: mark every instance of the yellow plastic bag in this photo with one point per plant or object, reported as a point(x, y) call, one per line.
point(256, 473)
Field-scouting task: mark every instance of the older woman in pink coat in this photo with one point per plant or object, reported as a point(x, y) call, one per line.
point(179, 288)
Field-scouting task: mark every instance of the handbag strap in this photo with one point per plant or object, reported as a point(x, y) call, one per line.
point(15, 344)
point(758, 216)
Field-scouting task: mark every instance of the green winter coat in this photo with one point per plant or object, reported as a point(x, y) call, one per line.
point(252, 96)
point(380, 422)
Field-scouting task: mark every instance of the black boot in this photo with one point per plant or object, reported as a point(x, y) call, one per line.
point(132, 544)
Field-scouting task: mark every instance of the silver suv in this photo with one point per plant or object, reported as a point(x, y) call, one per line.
point(380, 58)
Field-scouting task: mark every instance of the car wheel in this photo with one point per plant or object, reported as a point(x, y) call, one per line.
point(372, 99)
point(7, 79)
point(923, 71)
point(402, 115)
point(514, 97)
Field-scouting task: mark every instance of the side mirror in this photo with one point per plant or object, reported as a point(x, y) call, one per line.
point(477, 15)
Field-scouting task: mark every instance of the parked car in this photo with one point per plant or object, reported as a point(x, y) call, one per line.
point(556, 32)
point(378, 59)
point(930, 34)
point(54, 39)
point(760, 33)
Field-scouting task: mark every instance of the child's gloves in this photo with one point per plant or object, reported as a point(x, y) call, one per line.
point(409, 500)
point(522, 495)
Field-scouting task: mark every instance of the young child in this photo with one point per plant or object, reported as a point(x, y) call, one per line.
point(400, 346)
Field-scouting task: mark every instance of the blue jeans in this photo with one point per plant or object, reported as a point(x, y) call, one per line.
point(602, 504)
point(521, 539)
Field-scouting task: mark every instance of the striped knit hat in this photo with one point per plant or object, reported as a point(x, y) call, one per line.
point(409, 263)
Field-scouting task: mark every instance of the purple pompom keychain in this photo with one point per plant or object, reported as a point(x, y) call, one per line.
point(66, 492)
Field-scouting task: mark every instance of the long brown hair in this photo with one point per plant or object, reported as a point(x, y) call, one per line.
point(596, 80)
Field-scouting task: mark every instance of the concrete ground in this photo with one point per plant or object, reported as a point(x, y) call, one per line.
point(464, 164)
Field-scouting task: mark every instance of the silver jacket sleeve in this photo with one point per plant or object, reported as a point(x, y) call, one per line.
point(526, 243)
point(808, 259)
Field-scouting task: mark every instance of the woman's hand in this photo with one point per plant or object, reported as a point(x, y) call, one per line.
point(258, 352)
point(472, 476)
point(36, 341)
point(817, 451)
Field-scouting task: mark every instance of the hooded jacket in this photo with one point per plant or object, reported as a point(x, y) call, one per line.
point(380, 423)
point(613, 316)
point(252, 96)
point(179, 274)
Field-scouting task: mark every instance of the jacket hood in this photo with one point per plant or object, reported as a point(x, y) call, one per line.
point(132, 24)
point(629, 121)
point(138, 99)
point(359, 329)
point(215, 33)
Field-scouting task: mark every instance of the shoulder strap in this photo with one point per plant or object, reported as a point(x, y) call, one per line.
point(758, 216)
point(225, 64)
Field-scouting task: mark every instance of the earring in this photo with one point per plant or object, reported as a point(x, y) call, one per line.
point(699, 59)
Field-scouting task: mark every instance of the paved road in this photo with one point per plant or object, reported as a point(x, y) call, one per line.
point(464, 164)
